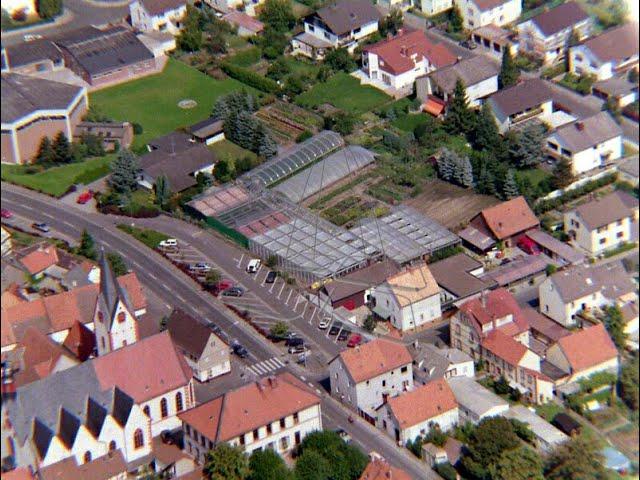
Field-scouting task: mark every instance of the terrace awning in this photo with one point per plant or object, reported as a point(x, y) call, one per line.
point(434, 106)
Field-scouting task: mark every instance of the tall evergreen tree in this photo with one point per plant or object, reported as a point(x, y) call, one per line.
point(264, 145)
point(456, 22)
point(509, 72)
point(446, 164)
point(485, 134)
point(46, 155)
point(510, 187)
point(162, 189)
point(459, 118)
point(124, 172)
point(62, 148)
point(466, 179)
point(562, 173)
point(526, 146)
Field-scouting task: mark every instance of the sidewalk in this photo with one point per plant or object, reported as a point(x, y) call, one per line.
point(66, 17)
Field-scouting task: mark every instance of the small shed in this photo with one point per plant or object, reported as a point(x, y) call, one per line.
point(565, 423)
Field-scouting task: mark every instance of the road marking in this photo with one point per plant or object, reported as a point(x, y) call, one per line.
point(287, 301)
point(306, 304)
point(240, 261)
point(303, 379)
point(280, 292)
point(266, 366)
point(68, 224)
point(164, 285)
point(153, 276)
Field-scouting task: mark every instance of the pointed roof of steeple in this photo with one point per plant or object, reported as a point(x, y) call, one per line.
point(110, 290)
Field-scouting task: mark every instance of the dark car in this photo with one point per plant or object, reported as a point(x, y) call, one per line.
point(294, 341)
point(271, 277)
point(335, 328)
point(344, 335)
point(43, 227)
point(233, 292)
point(215, 328)
point(470, 44)
point(240, 351)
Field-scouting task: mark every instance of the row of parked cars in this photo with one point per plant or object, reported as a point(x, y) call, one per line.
point(343, 333)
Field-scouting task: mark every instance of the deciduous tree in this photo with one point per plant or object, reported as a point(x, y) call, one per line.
point(117, 264)
point(614, 324)
point(268, 465)
point(521, 463)
point(225, 462)
point(87, 247)
point(278, 14)
point(578, 458)
point(629, 383)
point(562, 173)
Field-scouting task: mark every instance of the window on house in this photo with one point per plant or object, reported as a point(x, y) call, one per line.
point(282, 423)
point(138, 438)
point(296, 419)
point(269, 429)
point(620, 234)
point(87, 456)
point(603, 241)
point(179, 405)
point(147, 411)
point(122, 317)
point(112, 445)
point(284, 443)
point(256, 434)
point(297, 438)
point(241, 439)
point(384, 383)
point(404, 369)
point(164, 409)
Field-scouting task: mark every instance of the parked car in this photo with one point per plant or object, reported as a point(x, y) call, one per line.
point(344, 335)
point(324, 323)
point(224, 284)
point(335, 328)
point(168, 243)
point(200, 267)
point(271, 277)
point(215, 328)
point(343, 435)
point(43, 227)
point(4, 213)
point(233, 292)
point(30, 37)
point(297, 349)
point(470, 44)
point(294, 341)
point(253, 265)
point(354, 340)
point(239, 350)
point(84, 197)
point(302, 358)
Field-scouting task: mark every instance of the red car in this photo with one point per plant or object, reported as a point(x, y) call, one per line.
point(354, 340)
point(4, 213)
point(223, 285)
point(84, 197)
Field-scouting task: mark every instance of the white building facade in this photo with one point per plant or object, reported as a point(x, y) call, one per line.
point(479, 13)
point(147, 16)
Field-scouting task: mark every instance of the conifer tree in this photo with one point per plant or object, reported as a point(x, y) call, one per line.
point(459, 118)
point(509, 72)
point(510, 187)
point(124, 172)
point(62, 148)
point(46, 155)
point(486, 135)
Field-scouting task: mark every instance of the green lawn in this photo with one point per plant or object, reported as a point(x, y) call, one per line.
point(56, 181)
point(246, 58)
point(410, 121)
point(344, 92)
point(302, 66)
point(151, 238)
point(535, 175)
point(228, 150)
point(153, 101)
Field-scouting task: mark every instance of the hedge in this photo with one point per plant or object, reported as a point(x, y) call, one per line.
point(547, 205)
point(250, 78)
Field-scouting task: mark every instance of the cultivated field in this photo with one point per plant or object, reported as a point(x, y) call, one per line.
point(153, 101)
point(450, 205)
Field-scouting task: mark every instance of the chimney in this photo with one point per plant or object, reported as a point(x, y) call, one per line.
point(580, 126)
point(400, 31)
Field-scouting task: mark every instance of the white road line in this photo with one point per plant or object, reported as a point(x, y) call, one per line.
point(153, 276)
point(287, 301)
point(180, 298)
point(318, 391)
point(68, 224)
point(302, 378)
point(280, 292)
point(164, 285)
point(240, 261)
point(306, 304)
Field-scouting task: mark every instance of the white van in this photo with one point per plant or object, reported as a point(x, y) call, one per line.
point(168, 243)
point(253, 265)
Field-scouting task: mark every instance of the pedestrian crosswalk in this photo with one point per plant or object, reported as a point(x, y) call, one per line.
point(266, 366)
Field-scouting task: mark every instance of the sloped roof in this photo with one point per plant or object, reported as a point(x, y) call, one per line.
point(606, 210)
point(396, 54)
point(589, 132)
point(177, 167)
point(135, 368)
point(471, 71)
point(158, 7)
point(188, 333)
point(558, 18)
point(251, 406)
point(494, 305)
point(619, 43)
point(588, 347)
point(580, 281)
point(80, 341)
point(509, 218)
point(423, 403)
point(485, 5)
point(243, 20)
point(360, 280)
point(374, 358)
point(453, 275)
point(413, 284)
point(40, 259)
point(379, 469)
point(102, 468)
point(526, 94)
point(346, 15)
point(504, 346)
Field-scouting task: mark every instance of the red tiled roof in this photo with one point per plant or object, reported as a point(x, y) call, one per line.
point(380, 469)
point(18, 474)
point(250, 406)
point(588, 347)
point(243, 20)
point(59, 312)
point(422, 404)
point(509, 218)
point(80, 341)
point(102, 468)
point(40, 259)
point(374, 358)
point(505, 347)
point(145, 369)
point(395, 54)
point(434, 106)
point(494, 305)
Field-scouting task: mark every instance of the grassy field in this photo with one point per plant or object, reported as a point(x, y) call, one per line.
point(535, 175)
point(57, 180)
point(153, 101)
point(246, 58)
point(410, 121)
point(230, 151)
point(344, 92)
point(151, 238)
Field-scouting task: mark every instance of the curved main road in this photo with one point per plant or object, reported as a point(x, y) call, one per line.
point(175, 288)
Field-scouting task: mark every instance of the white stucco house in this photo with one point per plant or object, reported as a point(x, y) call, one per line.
point(613, 52)
point(161, 16)
point(338, 25)
point(547, 35)
point(583, 289)
point(478, 13)
point(365, 376)
point(604, 223)
point(478, 74)
point(415, 413)
point(588, 143)
point(12, 7)
point(396, 62)
point(272, 413)
point(433, 7)
point(409, 298)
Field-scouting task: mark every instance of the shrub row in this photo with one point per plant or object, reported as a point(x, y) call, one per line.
point(250, 78)
point(547, 205)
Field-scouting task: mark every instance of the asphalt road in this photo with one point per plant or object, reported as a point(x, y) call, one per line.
point(175, 288)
